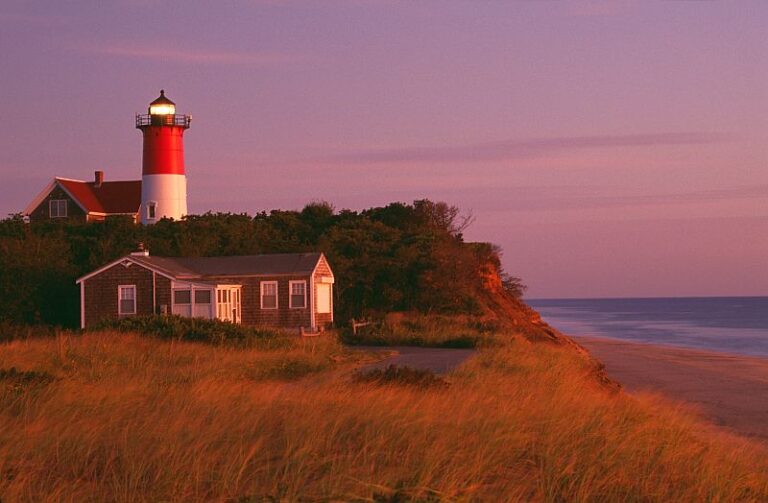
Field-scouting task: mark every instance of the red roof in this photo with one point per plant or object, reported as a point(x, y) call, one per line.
point(109, 198)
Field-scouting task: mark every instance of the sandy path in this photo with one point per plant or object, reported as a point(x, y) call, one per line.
point(730, 390)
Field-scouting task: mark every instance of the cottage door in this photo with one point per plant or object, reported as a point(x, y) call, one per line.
point(228, 304)
point(323, 298)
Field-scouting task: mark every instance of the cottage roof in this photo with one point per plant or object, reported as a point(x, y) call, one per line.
point(241, 265)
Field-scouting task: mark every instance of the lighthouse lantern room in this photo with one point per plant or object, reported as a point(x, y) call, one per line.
point(163, 181)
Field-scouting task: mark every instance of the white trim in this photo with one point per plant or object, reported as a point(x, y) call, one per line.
point(101, 214)
point(154, 292)
point(312, 321)
point(261, 295)
point(82, 305)
point(290, 293)
point(120, 300)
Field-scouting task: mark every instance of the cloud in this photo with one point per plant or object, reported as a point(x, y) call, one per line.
point(520, 149)
point(193, 56)
point(559, 198)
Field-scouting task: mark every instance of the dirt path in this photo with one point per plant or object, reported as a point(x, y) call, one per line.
point(730, 390)
point(438, 360)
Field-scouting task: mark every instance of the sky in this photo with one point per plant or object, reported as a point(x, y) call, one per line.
point(613, 148)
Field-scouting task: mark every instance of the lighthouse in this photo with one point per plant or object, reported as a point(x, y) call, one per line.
point(163, 182)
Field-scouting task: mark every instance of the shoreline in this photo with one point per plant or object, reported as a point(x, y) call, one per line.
point(729, 390)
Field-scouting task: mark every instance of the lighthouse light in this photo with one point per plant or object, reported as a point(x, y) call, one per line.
point(162, 109)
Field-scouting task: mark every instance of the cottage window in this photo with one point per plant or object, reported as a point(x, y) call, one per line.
point(182, 297)
point(57, 208)
point(298, 294)
point(269, 294)
point(202, 306)
point(126, 299)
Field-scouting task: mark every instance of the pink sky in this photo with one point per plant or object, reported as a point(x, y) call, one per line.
point(611, 148)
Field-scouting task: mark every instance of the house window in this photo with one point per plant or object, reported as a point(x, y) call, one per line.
point(57, 208)
point(151, 210)
point(126, 299)
point(202, 307)
point(269, 294)
point(182, 297)
point(298, 294)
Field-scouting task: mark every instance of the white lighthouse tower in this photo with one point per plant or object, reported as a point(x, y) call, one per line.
point(163, 181)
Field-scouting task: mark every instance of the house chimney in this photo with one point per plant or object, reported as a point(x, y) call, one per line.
point(98, 179)
point(141, 252)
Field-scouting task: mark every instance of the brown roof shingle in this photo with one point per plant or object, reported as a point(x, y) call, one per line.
point(241, 265)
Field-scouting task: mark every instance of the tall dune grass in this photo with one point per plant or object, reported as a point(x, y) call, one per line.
point(133, 419)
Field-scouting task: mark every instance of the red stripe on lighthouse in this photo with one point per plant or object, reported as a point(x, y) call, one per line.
point(163, 150)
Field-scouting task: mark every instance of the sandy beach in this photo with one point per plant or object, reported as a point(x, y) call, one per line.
point(729, 390)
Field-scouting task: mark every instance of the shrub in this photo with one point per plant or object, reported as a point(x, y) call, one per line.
point(194, 329)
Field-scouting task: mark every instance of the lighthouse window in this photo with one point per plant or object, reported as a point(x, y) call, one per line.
point(151, 210)
point(57, 208)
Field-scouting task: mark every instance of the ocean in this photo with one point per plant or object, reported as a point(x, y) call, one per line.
point(737, 325)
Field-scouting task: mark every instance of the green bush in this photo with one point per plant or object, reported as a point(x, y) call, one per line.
point(194, 329)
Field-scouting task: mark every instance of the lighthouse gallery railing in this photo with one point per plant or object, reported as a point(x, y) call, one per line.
point(163, 120)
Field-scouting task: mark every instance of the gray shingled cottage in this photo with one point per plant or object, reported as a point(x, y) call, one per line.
point(289, 290)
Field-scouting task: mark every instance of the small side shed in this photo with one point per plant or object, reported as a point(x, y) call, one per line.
point(289, 290)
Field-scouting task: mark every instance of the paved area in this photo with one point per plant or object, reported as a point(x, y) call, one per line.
point(438, 360)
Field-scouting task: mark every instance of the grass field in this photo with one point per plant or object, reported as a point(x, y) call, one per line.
point(122, 417)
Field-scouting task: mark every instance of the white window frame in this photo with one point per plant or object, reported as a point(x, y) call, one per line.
point(58, 204)
point(151, 208)
point(290, 293)
point(120, 311)
point(261, 295)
